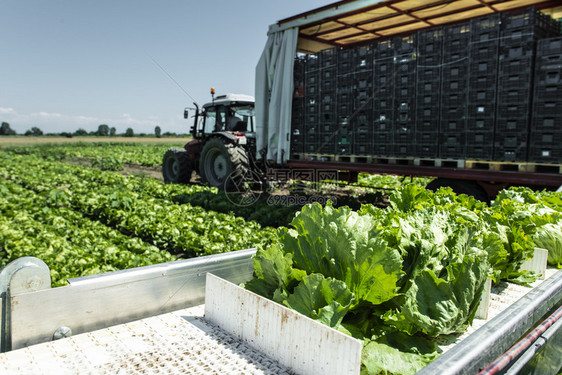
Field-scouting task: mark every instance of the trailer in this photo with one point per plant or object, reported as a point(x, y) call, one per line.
point(189, 316)
point(469, 93)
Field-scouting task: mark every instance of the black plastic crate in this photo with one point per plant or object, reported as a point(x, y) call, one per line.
point(511, 140)
point(452, 124)
point(549, 46)
point(430, 41)
point(483, 68)
point(427, 124)
point(517, 51)
point(522, 81)
point(546, 123)
point(482, 95)
point(482, 137)
point(344, 108)
point(549, 62)
point(363, 137)
point(548, 107)
point(510, 153)
point(383, 103)
point(382, 148)
point(526, 38)
point(455, 72)
point(481, 110)
point(483, 82)
point(546, 138)
point(429, 61)
point(452, 151)
point(519, 110)
point(479, 152)
point(454, 87)
point(551, 154)
point(363, 80)
point(384, 50)
point(515, 65)
point(429, 101)
point(363, 58)
point(311, 90)
point(428, 75)
point(529, 17)
point(405, 44)
point(513, 124)
point(383, 82)
point(404, 150)
point(428, 87)
point(454, 98)
point(456, 37)
point(544, 92)
point(362, 148)
point(485, 51)
point(485, 28)
point(404, 92)
point(384, 68)
point(549, 77)
point(404, 131)
point(343, 150)
point(427, 150)
point(477, 123)
point(345, 62)
point(328, 58)
point(404, 117)
point(383, 137)
point(312, 64)
point(405, 79)
point(514, 96)
point(426, 137)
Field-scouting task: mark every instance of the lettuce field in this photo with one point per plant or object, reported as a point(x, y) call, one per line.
point(396, 274)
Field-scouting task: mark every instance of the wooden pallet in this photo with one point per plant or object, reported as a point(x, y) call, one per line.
point(437, 162)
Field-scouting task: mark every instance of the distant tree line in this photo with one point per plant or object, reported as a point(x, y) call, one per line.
point(103, 131)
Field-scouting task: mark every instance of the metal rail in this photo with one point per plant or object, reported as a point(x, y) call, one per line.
point(31, 316)
point(493, 339)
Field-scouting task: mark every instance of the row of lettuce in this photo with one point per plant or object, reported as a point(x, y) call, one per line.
point(92, 204)
point(400, 277)
point(104, 155)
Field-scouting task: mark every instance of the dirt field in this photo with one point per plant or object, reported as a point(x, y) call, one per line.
point(7, 141)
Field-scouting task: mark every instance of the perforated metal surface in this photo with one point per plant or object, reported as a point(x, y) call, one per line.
point(181, 342)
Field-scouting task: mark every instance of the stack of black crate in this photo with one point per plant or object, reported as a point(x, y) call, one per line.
point(360, 119)
point(344, 102)
point(311, 104)
point(482, 91)
point(328, 123)
point(428, 92)
point(383, 99)
point(546, 123)
point(405, 76)
point(298, 110)
point(454, 86)
point(520, 31)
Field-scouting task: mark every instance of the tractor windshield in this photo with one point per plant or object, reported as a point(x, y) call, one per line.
point(246, 114)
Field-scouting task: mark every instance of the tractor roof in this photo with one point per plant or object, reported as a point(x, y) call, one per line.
point(228, 99)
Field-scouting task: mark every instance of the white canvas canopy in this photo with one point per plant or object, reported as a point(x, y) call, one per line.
point(274, 95)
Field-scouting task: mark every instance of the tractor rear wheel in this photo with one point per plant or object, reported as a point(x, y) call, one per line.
point(177, 166)
point(223, 164)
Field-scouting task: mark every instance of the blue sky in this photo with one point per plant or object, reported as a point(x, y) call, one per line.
point(78, 64)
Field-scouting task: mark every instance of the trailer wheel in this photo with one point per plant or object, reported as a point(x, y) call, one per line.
point(223, 165)
point(177, 166)
point(460, 187)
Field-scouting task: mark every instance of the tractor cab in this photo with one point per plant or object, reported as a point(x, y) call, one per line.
point(232, 113)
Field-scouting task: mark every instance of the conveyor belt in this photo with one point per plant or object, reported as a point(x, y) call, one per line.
point(181, 342)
